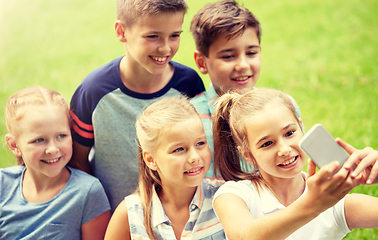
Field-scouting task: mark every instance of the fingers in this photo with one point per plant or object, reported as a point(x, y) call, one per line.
point(311, 168)
point(328, 170)
point(329, 184)
point(367, 164)
point(349, 148)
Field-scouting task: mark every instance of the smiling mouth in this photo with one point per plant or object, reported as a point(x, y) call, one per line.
point(288, 161)
point(159, 59)
point(193, 170)
point(241, 78)
point(51, 160)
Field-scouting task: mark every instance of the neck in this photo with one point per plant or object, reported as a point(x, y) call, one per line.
point(38, 188)
point(178, 198)
point(138, 79)
point(286, 190)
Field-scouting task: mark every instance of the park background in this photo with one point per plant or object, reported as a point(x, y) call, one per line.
point(323, 53)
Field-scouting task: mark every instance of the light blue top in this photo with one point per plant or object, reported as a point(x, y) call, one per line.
point(202, 224)
point(82, 199)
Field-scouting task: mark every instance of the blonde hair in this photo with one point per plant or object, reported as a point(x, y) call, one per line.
point(131, 11)
point(150, 126)
point(229, 130)
point(20, 101)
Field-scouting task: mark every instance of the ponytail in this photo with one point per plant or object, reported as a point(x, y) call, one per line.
point(226, 154)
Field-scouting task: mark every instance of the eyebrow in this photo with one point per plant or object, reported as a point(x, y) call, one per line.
point(284, 128)
point(232, 49)
point(156, 32)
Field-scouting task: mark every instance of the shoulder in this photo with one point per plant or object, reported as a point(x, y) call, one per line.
point(200, 98)
point(182, 67)
point(83, 180)
point(186, 80)
point(10, 178)
point(100, 81)
point(242, 188)
point(212, 185)
point(14, 170)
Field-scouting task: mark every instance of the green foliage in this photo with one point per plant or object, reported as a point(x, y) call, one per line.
point(323, 53)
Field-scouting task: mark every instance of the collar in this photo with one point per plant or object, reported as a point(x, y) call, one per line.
point(269, 203)
point(158, 215)
point(212, 96)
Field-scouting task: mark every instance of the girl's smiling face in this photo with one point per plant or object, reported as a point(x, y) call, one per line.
point(273, 138)
point(183, 156)
point(44, 140)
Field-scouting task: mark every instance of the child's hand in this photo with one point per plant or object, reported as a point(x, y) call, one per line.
point(327, 186)
point(366, 161)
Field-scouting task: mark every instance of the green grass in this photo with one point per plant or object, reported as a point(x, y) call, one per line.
point(323, 53)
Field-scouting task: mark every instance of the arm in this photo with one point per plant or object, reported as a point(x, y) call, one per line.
point(360, 211)
point(323, 192)
point(95, 229)
point(119, 224)
point(79, 158)
point(366, 160)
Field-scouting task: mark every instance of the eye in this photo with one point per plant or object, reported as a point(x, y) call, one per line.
point(60, 136)
point(176, 35)
point(289, 133)
point(201, 143)
point(178, 150)
point(267, 144)
point(227, 57)
point(39, 140)
point(152, 36)
point(252, 53)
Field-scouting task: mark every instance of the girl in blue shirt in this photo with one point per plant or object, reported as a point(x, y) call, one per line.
point(43, 198)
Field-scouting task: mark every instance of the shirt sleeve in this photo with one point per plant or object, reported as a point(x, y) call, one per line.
point(96, 202)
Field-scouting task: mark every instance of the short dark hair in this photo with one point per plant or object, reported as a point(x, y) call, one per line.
point(219, 18)
point(131, 11)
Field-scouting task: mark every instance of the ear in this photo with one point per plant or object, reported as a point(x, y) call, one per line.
point(246, 155)
point(200, 60)
point(150, 161)
point(120, 31)
point(11, 142)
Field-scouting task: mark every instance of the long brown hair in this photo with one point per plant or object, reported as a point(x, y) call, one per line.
point(229, 130)
point(150, 126)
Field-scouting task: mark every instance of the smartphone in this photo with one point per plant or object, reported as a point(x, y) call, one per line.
point(321, 147)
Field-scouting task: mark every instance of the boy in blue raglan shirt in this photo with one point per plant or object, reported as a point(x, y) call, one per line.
point(105, 106)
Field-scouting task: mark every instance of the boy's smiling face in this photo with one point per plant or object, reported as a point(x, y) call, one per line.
point(232, 64)
point(153, 41)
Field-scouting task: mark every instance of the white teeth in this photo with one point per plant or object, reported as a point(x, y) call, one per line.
point(289, 161)
point(192, 171)
point(241, 78)
point(159, 59)
point(51, 160)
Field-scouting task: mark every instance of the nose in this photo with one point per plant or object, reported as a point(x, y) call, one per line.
point(164, 46)
point(242, 63)
point(284, 150)
point(52, 148)
point(193, 156)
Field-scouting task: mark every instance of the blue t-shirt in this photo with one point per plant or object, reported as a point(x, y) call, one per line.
point(82, 199)
point(104, 113)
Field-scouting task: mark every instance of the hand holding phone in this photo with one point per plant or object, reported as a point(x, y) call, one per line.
point(321, 147)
